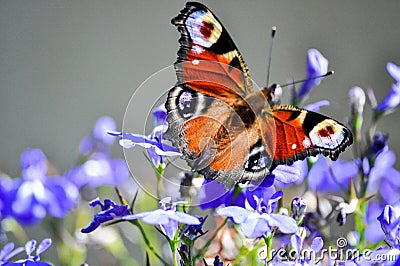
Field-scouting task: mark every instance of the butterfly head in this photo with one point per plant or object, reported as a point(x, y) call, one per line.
point(273, 94)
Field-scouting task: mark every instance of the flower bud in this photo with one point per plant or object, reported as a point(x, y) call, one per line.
point(299, 206)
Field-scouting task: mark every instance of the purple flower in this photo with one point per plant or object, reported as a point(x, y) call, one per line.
point(298, 207)
point(394, 71)
point(153, 143)
point(384, 178)
point(28, 199)
point(303, 258)
point(98, 168)
point(159, 115)
point(109, 211)
point(317, 65)
point(323, 178)
point(167, 217)
point(390, 224)
point(6, 253)
point(357, 101)
point(391, 100)
point(260, 222)
point(314, 107)
point(212, 195)
point(193, 231)
point(99, 140)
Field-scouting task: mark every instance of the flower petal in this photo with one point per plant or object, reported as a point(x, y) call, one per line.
point(43, 246)
point(285, 224)
point(255, 226)
point(394, 71)
point(286, 174)
point(317, 244)
point(238, 214)
point(184, 218)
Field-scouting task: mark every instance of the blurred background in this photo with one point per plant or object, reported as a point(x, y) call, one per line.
point(66, 63)
point(63, 64)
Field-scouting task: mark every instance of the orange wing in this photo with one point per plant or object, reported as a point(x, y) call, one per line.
point(301, 133)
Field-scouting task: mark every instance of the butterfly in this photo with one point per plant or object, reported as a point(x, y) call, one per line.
point(225, 129)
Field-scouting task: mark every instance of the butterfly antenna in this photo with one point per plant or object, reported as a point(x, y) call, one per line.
point(304, 80)
point(270, 52)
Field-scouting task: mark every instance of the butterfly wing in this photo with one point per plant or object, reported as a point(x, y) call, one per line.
point(301, 133)
point(209, 119)
point(207, 53)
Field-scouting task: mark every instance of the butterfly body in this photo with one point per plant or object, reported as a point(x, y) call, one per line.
point(225, 129)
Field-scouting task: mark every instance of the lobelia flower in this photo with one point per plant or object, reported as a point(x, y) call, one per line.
point(298, 207)
point(212, 194)
point(394, 71)
point(384, 179)
point(391, 100)
point(28, 199)
point(260, 222)
point(109, 211)
point(317, 65)
point(98, 168)
point(323, 178)
point(303, 258)
point(389, 220)
point(6, 253)
point(167, 217)
point(153, 142)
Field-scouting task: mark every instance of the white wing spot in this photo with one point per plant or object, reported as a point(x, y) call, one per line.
point(294, 146)
point(195, 62)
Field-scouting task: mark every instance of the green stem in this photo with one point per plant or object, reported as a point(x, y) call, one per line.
point(147, 242)
point(268, 243)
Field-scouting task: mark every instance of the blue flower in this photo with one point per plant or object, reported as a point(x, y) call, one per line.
point(30, 246)
point(384, 178)
point(156, 149)
point(153, 143)
point(390, 224)
point(324, 178)
point(394, 71)
point(109, 211)
point(8, 251)
point(392, 100)
point(99, 140)
point(97, 167)
point(159, 115)
point(193, 231)
point(99, 170)
point(167, 217)
point(262, 220)
point(298, 207)
point(212, 194)
point(28, 199)
point(317, 65)
point(303, 258)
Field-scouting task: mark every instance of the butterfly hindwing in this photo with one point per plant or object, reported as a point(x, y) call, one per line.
point(301, 133)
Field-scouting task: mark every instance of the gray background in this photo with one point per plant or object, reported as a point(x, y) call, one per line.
point(63, 64)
